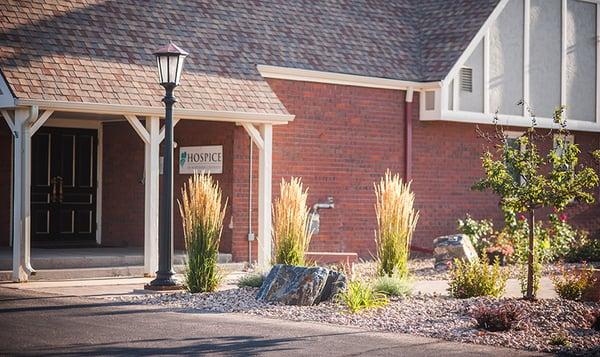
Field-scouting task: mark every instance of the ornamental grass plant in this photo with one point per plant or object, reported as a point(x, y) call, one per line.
point(360, 296)
point(202, 213)
point(396, 222)
point(290, 223)
point(392, 286)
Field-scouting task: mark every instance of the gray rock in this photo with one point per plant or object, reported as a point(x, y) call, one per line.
point(336, 282)
point(448, 248)
point(293, 285)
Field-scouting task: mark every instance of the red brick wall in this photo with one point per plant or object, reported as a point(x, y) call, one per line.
point(123, 190)
point(122, 187)
point(342, 140)
point(5, 182)
point(446, 163)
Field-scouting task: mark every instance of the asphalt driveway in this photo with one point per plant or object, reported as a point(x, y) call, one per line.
point(36, 323)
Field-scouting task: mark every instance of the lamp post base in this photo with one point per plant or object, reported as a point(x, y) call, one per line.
point(164, 284)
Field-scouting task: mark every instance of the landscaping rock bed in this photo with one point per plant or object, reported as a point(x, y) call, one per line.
point(438, 317)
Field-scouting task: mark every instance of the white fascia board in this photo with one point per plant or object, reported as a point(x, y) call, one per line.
point(475, 41)
point(513, 120)
point(305, 75)
point(191, 114)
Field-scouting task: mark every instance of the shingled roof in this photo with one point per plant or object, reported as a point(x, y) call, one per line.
point(101, 51)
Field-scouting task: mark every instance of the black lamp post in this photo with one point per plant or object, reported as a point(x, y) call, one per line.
point(170, 62)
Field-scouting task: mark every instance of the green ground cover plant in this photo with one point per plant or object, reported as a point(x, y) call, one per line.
point(392, 286)
point(359, 296)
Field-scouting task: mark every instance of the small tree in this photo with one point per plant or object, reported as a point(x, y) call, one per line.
point(526, 180)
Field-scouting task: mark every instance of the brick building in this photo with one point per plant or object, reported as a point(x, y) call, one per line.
point(335, 92)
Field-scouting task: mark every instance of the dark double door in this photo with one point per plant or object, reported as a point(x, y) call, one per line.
point(63, 187)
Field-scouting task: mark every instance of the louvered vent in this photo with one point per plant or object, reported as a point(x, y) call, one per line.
point(466, 79)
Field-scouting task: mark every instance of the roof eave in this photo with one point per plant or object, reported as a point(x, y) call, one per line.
point(192, 114)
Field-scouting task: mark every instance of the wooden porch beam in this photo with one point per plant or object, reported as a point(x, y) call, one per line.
point(138, 127)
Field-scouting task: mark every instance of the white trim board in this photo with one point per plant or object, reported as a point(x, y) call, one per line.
point(513, 120)
point(297, 74)
point(192, 114)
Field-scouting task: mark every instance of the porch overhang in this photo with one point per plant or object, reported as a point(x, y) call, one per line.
point(191, 114)
point(28, 115)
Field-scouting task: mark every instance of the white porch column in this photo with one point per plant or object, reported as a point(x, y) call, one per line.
point(151, 196)
point(265, 167)
point(26, 123)
point(19, 272)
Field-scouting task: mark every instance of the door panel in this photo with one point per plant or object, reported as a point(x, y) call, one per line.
point(63, 192)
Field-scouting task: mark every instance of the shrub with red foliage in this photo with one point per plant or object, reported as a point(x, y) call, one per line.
point(497, 318)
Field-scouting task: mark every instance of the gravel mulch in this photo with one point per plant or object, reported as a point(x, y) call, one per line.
point(438, 317)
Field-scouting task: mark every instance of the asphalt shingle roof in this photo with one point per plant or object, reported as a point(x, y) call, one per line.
point(101, 51)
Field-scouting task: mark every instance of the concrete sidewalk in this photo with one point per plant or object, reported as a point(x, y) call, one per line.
point(513, 288)
point(103, 287)
point(110, 287)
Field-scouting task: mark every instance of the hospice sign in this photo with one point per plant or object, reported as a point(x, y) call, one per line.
point(201, 158)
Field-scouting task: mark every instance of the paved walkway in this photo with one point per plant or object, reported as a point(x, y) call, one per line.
point(50, 325)
point(102, 288)
point(513, 288)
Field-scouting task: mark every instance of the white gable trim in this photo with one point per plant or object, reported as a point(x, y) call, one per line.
point(475, 41)
point(296, 74)
point(7, 100)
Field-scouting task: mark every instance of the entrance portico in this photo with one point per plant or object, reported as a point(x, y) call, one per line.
point(28, 117)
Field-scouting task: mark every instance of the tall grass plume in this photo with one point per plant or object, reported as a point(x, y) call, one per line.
point(202, 214)
point(290, 223)
point(396, 222)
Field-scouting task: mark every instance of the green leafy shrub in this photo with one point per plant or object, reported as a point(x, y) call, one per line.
point(202, 215)
point(476, 279)
point(252, 280)
point(573, 285)
point(560, 339)
point(396, 222)
point(497, 318)
point(359, 296)
point(563, 236)
point(290, 223)
point(478, 232)
point(392, 286)
point(585, 249)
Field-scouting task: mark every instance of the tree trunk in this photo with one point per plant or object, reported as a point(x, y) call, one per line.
point(530, 293)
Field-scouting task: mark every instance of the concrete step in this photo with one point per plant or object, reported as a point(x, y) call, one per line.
point(94, 259)
point(105, 272)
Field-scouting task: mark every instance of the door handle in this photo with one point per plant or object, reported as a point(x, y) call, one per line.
point(53, 193)
point(60, 189)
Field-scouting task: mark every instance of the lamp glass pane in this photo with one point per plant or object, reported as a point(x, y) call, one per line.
point(164, 69)
point(179, 68)
point(173, 69)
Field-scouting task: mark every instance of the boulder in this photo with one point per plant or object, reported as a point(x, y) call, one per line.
point(448, 248)
point(336, 282)
point(294, 285)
